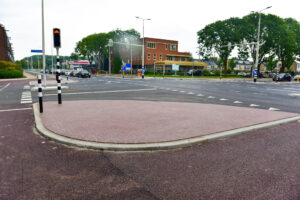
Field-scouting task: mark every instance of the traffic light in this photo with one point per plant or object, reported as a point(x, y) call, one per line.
point(56, 37)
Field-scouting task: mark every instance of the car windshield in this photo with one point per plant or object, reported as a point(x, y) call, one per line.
point(281, 75)
point(84, 71)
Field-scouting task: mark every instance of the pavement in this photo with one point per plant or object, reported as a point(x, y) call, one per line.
point(128, 125)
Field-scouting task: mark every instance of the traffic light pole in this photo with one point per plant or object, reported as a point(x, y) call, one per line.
point(58, 76)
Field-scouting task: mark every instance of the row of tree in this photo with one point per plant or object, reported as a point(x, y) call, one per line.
point(279, 39)
point(36, 61)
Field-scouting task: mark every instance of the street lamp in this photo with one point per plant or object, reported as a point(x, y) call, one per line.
point(257, 44)
point(110, 44)
point(143, 49)
point(43, 44)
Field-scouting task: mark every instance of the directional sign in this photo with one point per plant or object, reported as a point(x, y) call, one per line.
point(255, 72)
point(36, 51)
point(175, 67)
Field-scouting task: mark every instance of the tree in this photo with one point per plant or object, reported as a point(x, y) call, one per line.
point(232, 63)
point(217, 36)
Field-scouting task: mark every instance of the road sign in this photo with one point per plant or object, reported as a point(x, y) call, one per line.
point(255, 72)
point(36, 51)
point(175, 67)
point(144, 70)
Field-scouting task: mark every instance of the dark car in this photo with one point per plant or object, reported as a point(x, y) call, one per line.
point(282, 77)
point(194, 72)
point(84, 74)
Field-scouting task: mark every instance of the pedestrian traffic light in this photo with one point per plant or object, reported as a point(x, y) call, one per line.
point(56, 37)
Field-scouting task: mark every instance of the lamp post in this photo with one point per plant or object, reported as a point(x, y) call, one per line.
point(143, 48)
point(43, 44)
point(257, 44)
point(110, 44)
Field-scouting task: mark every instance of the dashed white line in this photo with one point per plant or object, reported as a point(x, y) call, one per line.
point(237, 102)
point(274, 109)
point(223, 99)
point(211, 97)
point(254, 105)
point(200, 95)
point(190, 93)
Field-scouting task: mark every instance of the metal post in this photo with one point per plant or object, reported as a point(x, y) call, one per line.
point(131, 57)
point(109, 61)
point(43, 44)
point(58, 76)
point(40, 93)
point(143, 59)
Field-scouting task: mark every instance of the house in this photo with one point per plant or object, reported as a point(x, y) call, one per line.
point(6, 52)
point(243, 65)
point(295, 67)
point(161, 54)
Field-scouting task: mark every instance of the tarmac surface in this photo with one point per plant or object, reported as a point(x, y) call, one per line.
point(142, 122)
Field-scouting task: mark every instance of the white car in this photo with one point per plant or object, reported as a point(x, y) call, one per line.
point(67, 72)
point(297, 77)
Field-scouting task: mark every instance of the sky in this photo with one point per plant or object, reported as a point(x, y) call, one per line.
point(170, 19)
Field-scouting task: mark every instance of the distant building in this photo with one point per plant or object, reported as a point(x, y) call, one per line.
point(161, 53)
point(295, 67)
point(243, 65)
point(6, 52)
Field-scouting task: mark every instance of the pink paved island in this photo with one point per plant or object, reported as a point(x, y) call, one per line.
point(135, 122)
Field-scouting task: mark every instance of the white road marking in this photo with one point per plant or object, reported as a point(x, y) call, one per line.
point(174, 90)
point(200, 95)
point(253, 105)
point(4, 87)
point(273, 108)
point(15, 109)
point(223, 99)
point(26, 97)
point(211, 97)
point(26, 87)
point(101, 92)
point(182, 91)
point(237, 102)
point(190, 93)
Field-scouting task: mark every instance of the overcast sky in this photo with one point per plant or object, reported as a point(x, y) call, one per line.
point(170, 19)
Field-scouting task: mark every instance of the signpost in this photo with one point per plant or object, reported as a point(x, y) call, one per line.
point(175, 68)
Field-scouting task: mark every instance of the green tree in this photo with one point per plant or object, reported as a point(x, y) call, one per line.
point(232, 63)
point(217, 36)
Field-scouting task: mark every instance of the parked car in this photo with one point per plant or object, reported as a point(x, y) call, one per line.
point(282, 77)
point(84, 74)
point(244, 74)
point(74, 73)
point(67, 72)
point(297, 77)
point(194, 72)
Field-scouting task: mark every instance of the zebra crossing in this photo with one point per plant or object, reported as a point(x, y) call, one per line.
point(26, 97)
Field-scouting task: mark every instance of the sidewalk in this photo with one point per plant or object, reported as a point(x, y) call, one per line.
point(145, 125)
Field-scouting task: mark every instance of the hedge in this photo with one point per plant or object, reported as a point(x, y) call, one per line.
point(11, 74)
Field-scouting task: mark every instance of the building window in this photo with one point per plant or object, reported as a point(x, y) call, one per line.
point(183, 59)
point(166, 46)
point(154, 56)
point(160, 57)
point(149, 56)
point(151, 45)
point(173, 47)
point(170, 58)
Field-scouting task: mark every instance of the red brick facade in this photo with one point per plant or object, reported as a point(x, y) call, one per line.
point(160, 50)
point(5, 53)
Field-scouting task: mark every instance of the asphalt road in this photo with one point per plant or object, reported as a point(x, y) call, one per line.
point(263, 164)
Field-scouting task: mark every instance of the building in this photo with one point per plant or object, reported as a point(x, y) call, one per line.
point(295, 67)
point(6, 52)
point(160, 54)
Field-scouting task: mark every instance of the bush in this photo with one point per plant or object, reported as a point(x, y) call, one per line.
point(11, 74)
point(205, 72)
point(5, 65)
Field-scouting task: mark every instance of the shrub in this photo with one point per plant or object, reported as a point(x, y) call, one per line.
point(205, 72)
point(11, 74)
point(5, 65)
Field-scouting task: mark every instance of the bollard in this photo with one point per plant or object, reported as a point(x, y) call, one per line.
point(58, 80)
point(40, 93)
point(255, 78)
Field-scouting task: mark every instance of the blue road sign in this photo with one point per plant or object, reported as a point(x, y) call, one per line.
point(36, 51)
point(143, 70)
point(255, 72)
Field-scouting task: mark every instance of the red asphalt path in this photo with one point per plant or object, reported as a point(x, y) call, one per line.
point(123, 122)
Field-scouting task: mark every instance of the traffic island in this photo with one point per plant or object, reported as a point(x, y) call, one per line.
point(146, 125)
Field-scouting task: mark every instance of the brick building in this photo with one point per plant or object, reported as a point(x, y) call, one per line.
point(6, 52)
point(163, 53)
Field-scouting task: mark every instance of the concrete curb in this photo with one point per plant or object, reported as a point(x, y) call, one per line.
point(147, 146)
